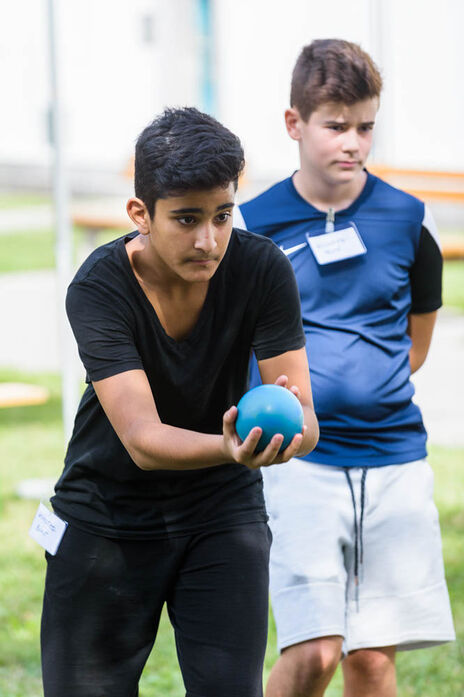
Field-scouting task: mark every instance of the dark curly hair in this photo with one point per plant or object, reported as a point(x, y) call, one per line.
point(182, 150)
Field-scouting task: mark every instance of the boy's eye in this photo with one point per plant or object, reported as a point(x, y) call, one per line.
point(186, 220)
point(367, 127)
point(223, 217)
point(336, 127)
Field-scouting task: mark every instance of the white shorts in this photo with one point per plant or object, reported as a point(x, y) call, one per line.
point(401, 598)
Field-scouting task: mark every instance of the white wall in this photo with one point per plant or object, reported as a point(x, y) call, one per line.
point(121, 62)
point(417, 45)
point(255, 65)
point(425, 66)
point(23, 80)
point(116, 78)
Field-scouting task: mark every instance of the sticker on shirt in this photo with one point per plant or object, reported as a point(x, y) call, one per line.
point(330, 247)
point(47, 529)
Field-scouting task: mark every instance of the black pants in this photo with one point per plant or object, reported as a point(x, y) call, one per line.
point(103, 600)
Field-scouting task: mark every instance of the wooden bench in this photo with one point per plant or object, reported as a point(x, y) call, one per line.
point(94, 222)
point(93, 218)
point(18, 394)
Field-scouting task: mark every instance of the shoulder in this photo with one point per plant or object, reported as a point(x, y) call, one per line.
point(247, 245)
point(251, 255)
point(266, 212)
point(394, 202)
point(99, 262)
point(101, 280)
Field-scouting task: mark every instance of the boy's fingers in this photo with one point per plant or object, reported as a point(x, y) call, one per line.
point(293, 447)
point(272, 449)
point(228, 422)
point(248, 446)
point(269, 455)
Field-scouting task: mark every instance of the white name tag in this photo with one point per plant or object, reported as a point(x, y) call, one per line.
point(336, 246)
point(47, 529)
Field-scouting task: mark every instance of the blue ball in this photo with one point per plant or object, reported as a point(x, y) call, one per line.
point(275, 409)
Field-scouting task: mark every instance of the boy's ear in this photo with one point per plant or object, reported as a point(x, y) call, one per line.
point(292, 122)
point(138, 213)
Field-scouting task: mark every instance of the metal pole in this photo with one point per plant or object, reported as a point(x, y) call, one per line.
point(379, 16)
point(63, 239)
point(207, 86)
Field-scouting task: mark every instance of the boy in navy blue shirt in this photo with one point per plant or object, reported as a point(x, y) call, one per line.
point(356, 563)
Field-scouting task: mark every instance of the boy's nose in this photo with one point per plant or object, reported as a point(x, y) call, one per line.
point(206, 239)
point(350, 142)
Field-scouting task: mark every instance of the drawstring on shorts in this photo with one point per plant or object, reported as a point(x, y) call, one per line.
point(358, 529)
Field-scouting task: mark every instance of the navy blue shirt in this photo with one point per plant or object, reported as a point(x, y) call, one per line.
point(355, 316)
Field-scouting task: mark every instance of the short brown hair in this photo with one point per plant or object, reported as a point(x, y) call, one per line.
point(332, 70)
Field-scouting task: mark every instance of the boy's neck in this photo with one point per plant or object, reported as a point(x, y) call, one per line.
point(323, 195)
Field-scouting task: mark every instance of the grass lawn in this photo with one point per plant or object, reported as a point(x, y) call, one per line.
point(453, 285)
point(31, 445)
point(19, 199)
point(33, 251)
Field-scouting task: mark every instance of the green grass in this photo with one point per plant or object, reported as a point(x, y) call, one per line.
point(35, 251)
point(27, 251)
point(31, 445)
point(22, 199)
point(453, 285)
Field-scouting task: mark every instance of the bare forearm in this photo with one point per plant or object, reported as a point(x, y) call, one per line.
point(416, 360)
point(155, 446)
point(312, 432)
point(420, 330)
point(130, 407)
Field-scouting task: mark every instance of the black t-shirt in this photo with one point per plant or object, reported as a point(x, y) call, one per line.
point(252, 303)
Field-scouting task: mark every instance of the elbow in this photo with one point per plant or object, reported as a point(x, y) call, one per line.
point(416, 361)
point(415, 366)
point(311, 436)
point(134, 443)
point(142, 462)
point(139, 458)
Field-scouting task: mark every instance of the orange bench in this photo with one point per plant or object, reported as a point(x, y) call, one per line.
point(428, 185)
point(19, 394)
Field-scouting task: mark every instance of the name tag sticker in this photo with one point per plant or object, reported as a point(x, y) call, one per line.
point(336, 246)
point(47, 529)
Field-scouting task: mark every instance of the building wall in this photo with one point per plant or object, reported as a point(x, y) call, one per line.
point(255, 65)
point(417, 45)
point(122, 61)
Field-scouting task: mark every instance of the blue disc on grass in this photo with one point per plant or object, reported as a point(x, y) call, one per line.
point(275, 409)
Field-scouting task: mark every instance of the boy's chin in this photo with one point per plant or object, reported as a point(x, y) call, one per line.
point(348, 173)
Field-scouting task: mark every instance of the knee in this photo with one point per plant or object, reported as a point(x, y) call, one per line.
point(373, 665)
point(314, 661)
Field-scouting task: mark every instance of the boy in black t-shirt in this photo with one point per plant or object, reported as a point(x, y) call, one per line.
point(162, 499)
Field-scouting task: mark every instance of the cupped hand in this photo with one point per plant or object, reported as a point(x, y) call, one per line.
point(244, 452)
